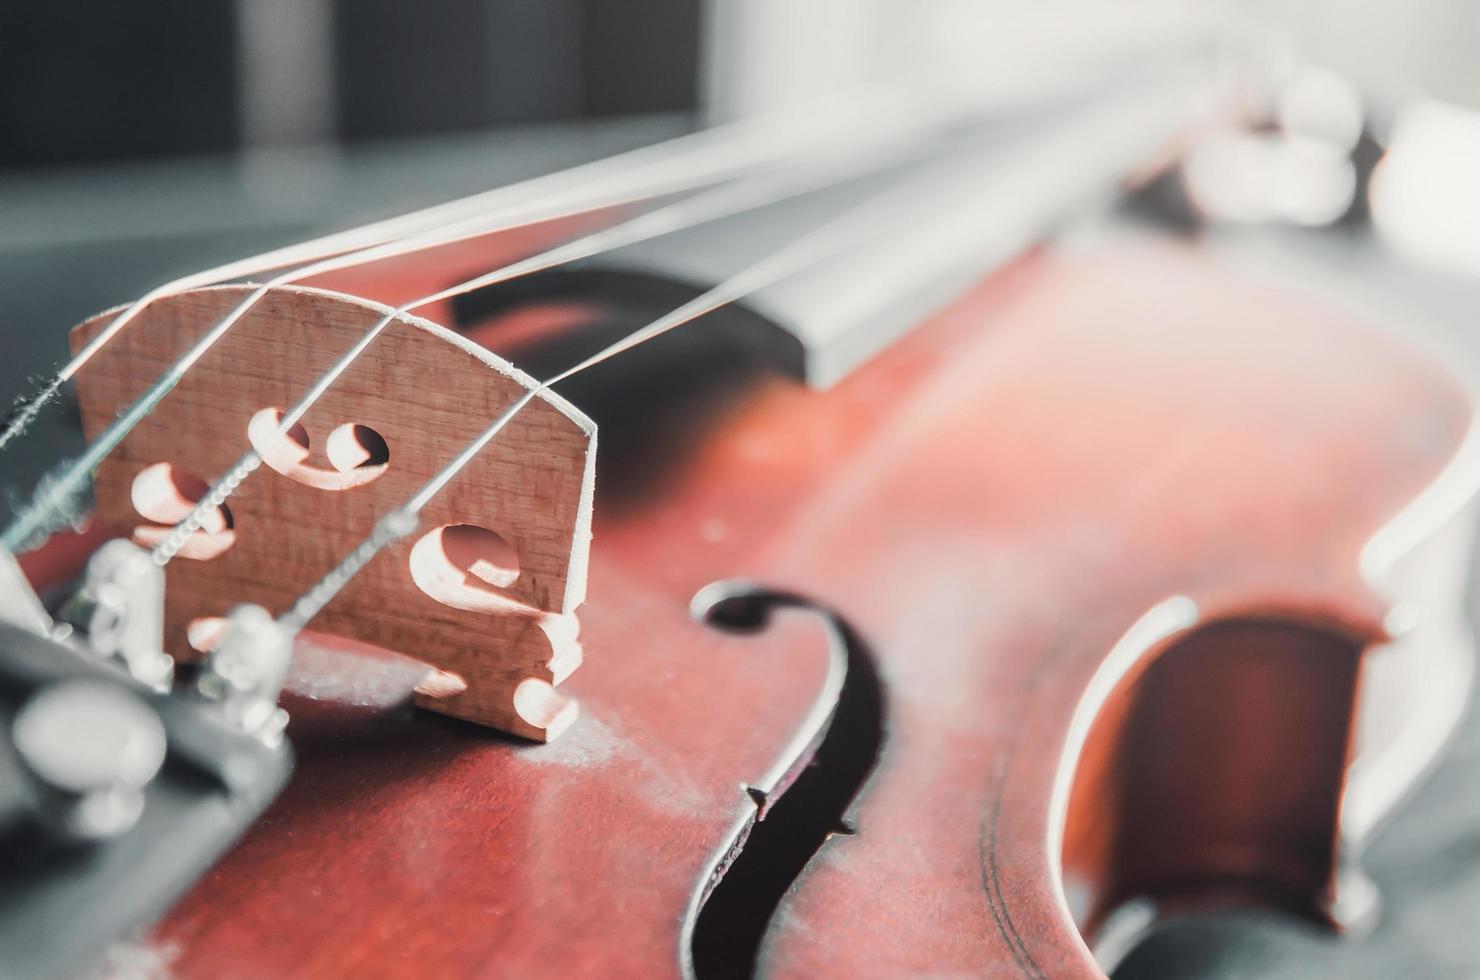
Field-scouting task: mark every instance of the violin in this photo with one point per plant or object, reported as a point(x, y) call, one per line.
point(939, 602)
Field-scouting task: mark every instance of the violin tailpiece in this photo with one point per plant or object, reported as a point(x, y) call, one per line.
point(485, 591)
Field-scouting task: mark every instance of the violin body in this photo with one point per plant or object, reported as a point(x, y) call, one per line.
point(1107, 533)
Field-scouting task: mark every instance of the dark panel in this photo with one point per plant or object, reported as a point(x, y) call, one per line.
point(410, 69)
point(641, 56)
point(533, 67)
point(406, 70)
point(82, 82)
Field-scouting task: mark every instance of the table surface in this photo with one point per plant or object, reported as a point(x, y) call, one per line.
point(75, 243)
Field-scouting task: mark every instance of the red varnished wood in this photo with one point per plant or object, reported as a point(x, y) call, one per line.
point(1094, 439)
point(991, 504)
point(1213, 775)
point(412, 846)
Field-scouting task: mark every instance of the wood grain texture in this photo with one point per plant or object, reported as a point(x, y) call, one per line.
point(992, 505)
point(427, 392)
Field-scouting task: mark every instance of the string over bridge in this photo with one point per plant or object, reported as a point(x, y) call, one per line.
point(485, 590)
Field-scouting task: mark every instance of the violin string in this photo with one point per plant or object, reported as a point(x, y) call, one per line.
point(822, 243)
point(339, 243)
point(722, 153)
point(56, 497)
point(731, 199)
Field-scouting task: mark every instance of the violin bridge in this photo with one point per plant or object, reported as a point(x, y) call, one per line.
point(485, 592)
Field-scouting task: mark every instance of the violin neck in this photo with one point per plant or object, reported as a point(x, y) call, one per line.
point(997, 191)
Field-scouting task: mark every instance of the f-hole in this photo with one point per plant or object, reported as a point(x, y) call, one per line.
point(1212, 779)
point(733, 921)
point(356, 454)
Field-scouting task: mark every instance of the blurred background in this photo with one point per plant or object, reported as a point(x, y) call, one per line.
point(218, 128)
point(91, 83)
point(258, 120)
point(87, 83)
point(144, 140)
